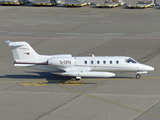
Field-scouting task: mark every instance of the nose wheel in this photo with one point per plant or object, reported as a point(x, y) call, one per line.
point(138, 76)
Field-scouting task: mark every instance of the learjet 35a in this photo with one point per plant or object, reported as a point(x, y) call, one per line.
point(77, 67)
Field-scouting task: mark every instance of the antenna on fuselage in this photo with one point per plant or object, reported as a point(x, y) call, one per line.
point(92, 55)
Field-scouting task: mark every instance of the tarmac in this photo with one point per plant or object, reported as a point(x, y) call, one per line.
point(27, 94)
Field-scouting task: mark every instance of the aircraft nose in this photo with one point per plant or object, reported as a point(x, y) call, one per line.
point(146, 68)
point(149, 68)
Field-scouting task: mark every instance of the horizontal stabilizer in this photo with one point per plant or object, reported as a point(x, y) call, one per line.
point(25, 65)
point(15, 44)
point(8, 41)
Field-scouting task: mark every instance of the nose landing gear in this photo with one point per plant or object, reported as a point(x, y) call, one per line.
point(138, 76)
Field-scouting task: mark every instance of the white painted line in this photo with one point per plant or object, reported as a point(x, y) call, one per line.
point(55, 23)
point(98, 35)
point(13, 33)
point(79, 22)
point(142, 35)
point(5, 35)
point(105, 21)
point(155, 33)
point(47, 35)
point(70, 33)
point(29, 24)
point(5, 25)
point(116, 33)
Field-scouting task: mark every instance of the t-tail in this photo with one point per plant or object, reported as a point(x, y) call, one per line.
point(22, 50)
point(23, 54)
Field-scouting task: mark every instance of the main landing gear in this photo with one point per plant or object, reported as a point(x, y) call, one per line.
point(138, 76)
point(78, 78)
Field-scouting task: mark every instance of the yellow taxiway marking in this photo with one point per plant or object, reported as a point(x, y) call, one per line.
point(45, 82)
point(34, 81)
point(71, 83)
point(33, 84)
point(98, 98)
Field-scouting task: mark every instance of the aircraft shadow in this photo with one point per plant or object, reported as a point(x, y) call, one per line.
point(50, 77)
point(120, 77)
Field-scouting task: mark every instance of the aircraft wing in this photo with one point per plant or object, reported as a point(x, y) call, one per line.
point(84, 73)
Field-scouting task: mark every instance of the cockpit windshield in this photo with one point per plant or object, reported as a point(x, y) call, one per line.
point(130, 60)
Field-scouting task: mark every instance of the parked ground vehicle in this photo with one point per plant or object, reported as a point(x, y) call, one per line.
point(76, 3)
point(11, 2)
point(44, 2)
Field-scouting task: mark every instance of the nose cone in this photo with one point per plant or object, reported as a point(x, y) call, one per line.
point(149, 68)
point(146, 68)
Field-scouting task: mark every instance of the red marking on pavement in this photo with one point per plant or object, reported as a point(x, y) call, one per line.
point(43, 38)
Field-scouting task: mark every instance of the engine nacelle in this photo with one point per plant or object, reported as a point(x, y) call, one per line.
point(62, 62)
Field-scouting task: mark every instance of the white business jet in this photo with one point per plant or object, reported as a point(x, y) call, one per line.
point(77, 67)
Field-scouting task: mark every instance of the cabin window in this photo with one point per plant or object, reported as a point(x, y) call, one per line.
point(92, 62)
point(85, 62)
point(104, 62)
point(110, 62)
point(98, 62)
point(117, 62)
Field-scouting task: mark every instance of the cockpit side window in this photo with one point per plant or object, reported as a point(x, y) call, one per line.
point(130, 60)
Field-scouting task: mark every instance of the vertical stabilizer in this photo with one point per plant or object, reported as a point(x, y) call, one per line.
point(22, 51)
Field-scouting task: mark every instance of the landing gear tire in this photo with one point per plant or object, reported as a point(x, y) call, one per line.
point(78, 78)
point(138, 76)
